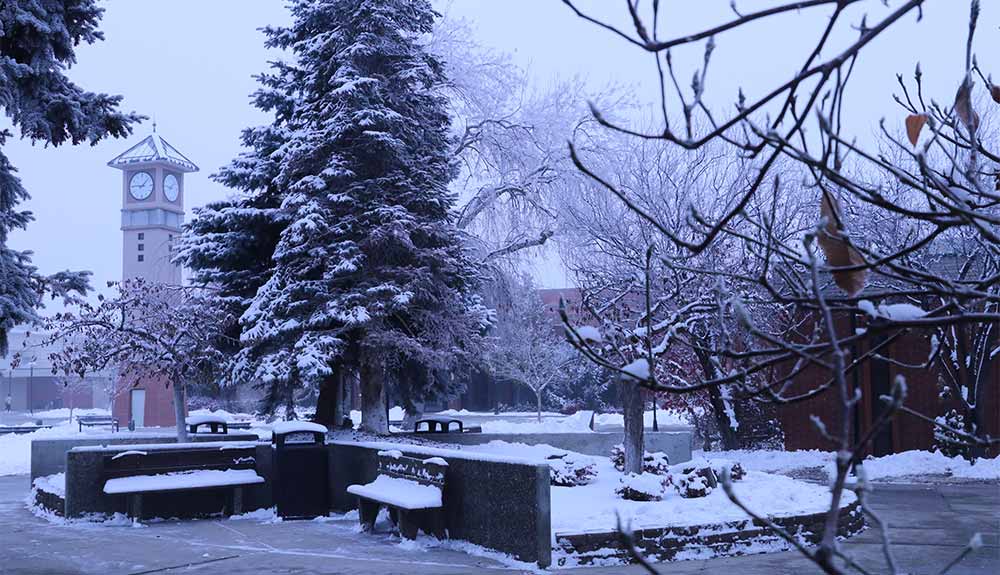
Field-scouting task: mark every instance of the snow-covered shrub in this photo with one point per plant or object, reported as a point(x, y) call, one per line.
point(695, 478)
point(652, 462)
point(736, 471)
point(656, 462)
point(568, 471)
point(643, 487)
point(618, 457)
point(949, 443)
point(693, 485)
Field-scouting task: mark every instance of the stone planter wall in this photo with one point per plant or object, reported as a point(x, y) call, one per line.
point(700, 541)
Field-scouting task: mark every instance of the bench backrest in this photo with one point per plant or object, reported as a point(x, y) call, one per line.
point(95, 418)
point(423, 471)
point(154, 462)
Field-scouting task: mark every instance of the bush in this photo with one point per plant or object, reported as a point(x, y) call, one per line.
point(569, 471)
point(656, 462)
point(697, 478)
point(643, 487)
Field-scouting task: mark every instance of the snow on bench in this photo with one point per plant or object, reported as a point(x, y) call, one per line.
point(412, 490)
point(399, 492)
point(205, 418)
point(284, 427)
point(182, 480)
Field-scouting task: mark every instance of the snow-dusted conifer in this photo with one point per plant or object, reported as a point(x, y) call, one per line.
point(368, 267)
point(37, 45)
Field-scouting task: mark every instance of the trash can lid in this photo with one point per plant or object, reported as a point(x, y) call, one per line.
point(283, 427)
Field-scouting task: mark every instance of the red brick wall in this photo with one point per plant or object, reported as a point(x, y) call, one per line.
point(159, 402)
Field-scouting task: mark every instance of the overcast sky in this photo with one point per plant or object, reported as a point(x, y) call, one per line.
point(189, 63)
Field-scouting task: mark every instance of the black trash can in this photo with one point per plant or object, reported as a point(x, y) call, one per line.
point(301, 485)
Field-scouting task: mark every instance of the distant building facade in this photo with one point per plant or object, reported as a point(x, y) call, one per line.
point(32, 385)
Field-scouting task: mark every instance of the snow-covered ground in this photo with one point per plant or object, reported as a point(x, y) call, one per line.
point(579, 422)
point(906, 466)
point(596, 507)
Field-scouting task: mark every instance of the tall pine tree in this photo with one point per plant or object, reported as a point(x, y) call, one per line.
point(368, 271)
point(37, 44)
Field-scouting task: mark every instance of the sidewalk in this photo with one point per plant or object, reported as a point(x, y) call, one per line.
point(931, 524)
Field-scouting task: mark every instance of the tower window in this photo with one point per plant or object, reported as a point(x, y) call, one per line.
point(142, 236)
point(142, 247)
point(141, 257)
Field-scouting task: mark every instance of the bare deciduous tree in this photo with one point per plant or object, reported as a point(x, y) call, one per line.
point(941, 181)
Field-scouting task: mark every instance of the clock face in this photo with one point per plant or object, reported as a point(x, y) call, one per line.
point(141, 185)
point(171, 187)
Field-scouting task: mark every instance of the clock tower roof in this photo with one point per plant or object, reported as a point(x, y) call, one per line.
point(153, 149)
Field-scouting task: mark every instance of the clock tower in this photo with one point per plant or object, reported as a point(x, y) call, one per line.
point(152, 215)
point(152, 208)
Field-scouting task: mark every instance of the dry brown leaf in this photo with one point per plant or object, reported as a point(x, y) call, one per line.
point(837, 251)
point(963, 107)
point(915, 123)
point(995, 92)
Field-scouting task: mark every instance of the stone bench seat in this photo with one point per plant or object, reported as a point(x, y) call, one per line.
point(410, 488)
point(182, 481)
point(398, 492)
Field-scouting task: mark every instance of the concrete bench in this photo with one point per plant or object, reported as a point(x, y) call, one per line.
point(135, 474)
point(410, 488)
point(96, 420)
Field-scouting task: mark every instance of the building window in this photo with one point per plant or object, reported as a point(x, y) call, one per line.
point(142, 247)
point(141, 258)
point(142, 236)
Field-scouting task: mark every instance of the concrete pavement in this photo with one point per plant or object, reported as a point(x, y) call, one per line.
point(930, 523)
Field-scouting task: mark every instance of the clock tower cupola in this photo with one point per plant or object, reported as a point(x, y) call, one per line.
point(152, 208)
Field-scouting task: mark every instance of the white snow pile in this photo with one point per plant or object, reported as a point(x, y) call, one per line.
point(15, 448)
point(54, 484)
point(908, 464)
point(893, 311)
point(579, 422)
point(921, 463)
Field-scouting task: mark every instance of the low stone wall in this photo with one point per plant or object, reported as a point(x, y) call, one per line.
point(85, 481)
point(48, 456)
point(700, 541)
point(499, 503)
point(676, 443)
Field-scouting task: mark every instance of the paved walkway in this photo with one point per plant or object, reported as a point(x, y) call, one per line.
point(931, 524)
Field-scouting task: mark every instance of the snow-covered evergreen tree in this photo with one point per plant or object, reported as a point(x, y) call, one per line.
point(369, 270)
point(37, 45)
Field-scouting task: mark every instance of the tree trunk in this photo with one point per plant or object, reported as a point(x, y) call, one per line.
point(373, 400)
point(180, 411)
point(633, 408)
point(729, 439)
point(329, 400)
point(414, 412)
point(538, 399)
